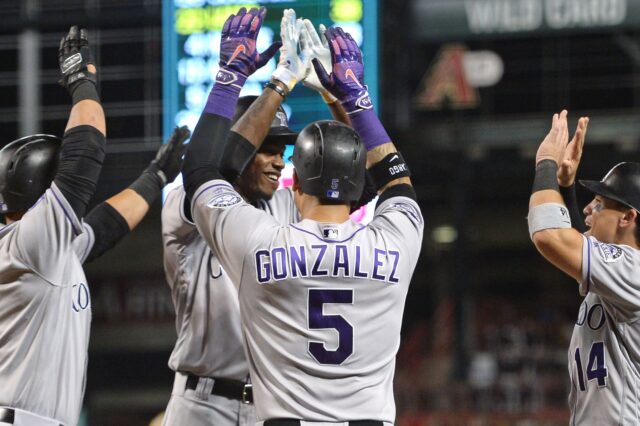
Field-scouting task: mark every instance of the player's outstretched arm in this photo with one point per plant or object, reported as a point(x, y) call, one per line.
point(239, 59)
point(319, 49)
point(83, 145)
point(248, 133)
point(345, 82)
point(120, 214)
point(549, 221)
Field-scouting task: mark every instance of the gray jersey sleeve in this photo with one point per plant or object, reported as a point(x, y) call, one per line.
point(611, 271)
point(45, 234)
point(175, 228)
point(83, 243)
point(400, 219)
point(228, 224)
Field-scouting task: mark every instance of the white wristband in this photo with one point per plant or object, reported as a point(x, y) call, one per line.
point(548, 216)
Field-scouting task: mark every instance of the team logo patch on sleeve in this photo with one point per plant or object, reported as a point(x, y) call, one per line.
point(409, 210)
point(609, 253)
point(223, 200)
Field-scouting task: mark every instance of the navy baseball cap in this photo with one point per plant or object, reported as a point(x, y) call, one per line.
point(621, 184)
point(279, 132)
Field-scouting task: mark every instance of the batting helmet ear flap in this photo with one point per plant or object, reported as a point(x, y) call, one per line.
point(27, 168)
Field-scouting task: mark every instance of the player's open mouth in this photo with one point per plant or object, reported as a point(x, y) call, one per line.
point(273, 177)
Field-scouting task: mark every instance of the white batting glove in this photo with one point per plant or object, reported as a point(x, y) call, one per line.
point(292, 65)
point(318, 48)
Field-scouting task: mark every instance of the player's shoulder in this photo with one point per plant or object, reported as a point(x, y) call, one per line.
point(613, 253)
point(400, 204)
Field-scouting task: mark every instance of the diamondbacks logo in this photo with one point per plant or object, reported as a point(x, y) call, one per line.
point(610, 253)
point(224, 200)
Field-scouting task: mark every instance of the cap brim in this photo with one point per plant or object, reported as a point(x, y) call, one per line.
point(282, 134)
point(603, 190)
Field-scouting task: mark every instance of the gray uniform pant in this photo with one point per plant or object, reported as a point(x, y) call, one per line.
point(200, 408)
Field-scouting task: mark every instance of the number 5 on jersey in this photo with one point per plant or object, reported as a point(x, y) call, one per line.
point(317, 320)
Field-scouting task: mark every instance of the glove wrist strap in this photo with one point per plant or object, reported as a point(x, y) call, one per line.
point(224, 94)
point(285, 76)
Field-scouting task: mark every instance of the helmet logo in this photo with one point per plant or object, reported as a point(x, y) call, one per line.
point(333, 192)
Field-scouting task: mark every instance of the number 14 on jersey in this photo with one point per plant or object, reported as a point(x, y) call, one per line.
point(595, 369)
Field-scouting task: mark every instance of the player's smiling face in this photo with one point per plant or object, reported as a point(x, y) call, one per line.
point(602, 217)
point(261, 177)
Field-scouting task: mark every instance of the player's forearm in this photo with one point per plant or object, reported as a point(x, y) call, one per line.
point(87, 112)
point(256, 121)
point(130, 205)
point(379, 153)
point(338, 112)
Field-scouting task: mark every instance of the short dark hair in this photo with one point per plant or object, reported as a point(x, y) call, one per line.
point(638, 228)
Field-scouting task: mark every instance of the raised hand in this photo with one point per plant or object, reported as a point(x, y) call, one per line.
point(347, 71)
point(572, 155)
point(239, 57)
point(76, 60)
point(292, 65)
point(555, 143)
point(168, 160)
point(318, 49)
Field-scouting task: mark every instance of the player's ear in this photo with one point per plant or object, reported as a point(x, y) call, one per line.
point(629, 218)
point(296, 182)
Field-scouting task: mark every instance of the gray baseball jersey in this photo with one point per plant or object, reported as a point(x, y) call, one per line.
point(321, 303)
point(45, 310)
point(604, 356)
point(209, 340)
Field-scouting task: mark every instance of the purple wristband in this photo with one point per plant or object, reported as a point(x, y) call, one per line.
point(224, 94)
point(370, 129)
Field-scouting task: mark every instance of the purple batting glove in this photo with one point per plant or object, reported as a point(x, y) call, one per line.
point(239, 59)
point(345, 80)
point(346, 83)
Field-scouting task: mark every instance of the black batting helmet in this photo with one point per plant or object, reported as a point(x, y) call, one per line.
point(330, 161)
point(621, 184)
point(27, 167)
point(279, 131)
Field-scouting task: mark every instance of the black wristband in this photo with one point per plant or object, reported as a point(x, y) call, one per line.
point(82, 90)
point(279, 90)
point(546, 176)
point(149, 184)
point(389, 168)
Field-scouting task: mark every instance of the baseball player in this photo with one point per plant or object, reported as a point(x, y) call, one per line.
point(46, 306)
point(604, 355)
point(321, 300)
point(211, 384)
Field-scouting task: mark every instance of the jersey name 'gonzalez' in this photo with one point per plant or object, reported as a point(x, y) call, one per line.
point(334, 260)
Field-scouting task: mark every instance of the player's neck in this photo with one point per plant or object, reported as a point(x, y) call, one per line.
point(326, 213)
point(9, 218)
point(311, 208)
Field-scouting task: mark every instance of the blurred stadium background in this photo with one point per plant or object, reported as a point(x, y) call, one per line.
point(466, 88)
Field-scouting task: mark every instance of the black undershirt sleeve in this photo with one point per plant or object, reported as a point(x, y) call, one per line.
point(81, 156)
point(400, 190)
point(201, 162)
point(109, 227)
point(569, 195)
